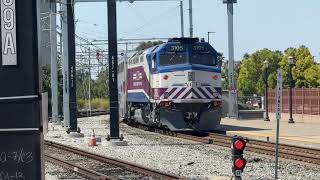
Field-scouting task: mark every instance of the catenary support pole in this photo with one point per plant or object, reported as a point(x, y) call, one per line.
point(113, 65)
point(233, 104)
point(190, 18)
point(90, 82)
point(69, 102)
point(181, 17)
point(54, 63)
point(65, 55)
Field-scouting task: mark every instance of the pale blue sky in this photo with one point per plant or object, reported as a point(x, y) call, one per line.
point(274, 24)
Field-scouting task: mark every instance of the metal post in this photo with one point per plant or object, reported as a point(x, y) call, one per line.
point(233, 104)
point(181, 16)
point(290, 93)
point(70, 102)
point(90, 82)
point(190, 18)
point(66, 110)
point(277, 149)
point(54, 65)
point(126, 79)
point(266, 94)
point(113, 65)
point(209, 36)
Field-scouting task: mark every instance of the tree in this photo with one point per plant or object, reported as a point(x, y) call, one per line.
point(304, 65)
point(148, 44)
point(251, 73)
point(100, 87)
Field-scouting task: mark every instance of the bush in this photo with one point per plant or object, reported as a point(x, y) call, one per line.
point(99, 104)
point(96, 104)
point(81, 104)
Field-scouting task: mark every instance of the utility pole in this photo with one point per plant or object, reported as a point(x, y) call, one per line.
point(233, 103)
point(181, 16)
point(54, 63)
point(190, 18)
point(90, 82)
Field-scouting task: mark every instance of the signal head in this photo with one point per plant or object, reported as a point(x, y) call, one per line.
point(240, 163)
point(239, 144)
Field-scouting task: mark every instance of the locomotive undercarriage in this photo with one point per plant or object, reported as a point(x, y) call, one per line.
point(177, 116)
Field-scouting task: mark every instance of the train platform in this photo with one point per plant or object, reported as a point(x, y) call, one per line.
point(300, 133)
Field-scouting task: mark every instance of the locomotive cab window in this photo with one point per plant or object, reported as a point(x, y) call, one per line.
point(207, 59)
point(168, 59)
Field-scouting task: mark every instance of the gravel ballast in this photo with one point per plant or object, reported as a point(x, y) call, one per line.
point(178, 156)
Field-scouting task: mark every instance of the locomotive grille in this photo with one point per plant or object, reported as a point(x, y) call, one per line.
point(191, 76)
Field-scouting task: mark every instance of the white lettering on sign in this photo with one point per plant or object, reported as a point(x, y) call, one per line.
point(279, 95)
point(8, 32)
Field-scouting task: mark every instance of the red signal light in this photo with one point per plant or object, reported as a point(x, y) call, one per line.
point(166, 77)
point(239, 145)
point(240, 163)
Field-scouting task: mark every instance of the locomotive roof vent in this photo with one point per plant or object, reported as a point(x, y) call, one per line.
point(184, 40)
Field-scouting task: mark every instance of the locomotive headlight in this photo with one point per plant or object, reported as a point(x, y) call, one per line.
point(214, 77)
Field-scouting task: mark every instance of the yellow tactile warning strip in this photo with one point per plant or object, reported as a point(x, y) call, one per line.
point(311, 139)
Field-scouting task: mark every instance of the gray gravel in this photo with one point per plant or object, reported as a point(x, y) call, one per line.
point(54, 172)
point(181, 157)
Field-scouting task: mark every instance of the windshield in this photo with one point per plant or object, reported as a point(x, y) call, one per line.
point(169, 59)
point(203, 59)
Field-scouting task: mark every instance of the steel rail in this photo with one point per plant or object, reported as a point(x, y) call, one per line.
point(77, 169)
point(127, 165)
point(291, 152)
point(286, 151)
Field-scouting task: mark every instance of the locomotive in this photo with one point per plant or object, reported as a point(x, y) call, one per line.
point(175, 85)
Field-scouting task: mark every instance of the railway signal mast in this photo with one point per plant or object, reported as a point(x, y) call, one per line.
point(233, 104)
point(238, 144)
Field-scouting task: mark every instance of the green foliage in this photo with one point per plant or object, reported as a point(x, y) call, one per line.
point(81, 104)
point(148, 44)
point(305, 71)
point(96, 104)
point(46, 78)
point(100, 88)
point(251, 78)
point(100, 104)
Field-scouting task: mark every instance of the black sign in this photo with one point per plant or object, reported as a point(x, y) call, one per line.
point(19, 156)
point(20, 127)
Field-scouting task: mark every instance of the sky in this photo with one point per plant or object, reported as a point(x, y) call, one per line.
point(273, 24)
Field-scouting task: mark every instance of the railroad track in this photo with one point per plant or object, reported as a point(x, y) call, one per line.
point(82, 114)
point(304, 154)
point(93, 166)
point(292, 152)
